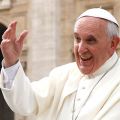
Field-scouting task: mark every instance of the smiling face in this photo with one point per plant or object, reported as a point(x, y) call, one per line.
point(92, 46)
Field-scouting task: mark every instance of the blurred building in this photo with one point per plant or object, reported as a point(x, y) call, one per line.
point(50, 39)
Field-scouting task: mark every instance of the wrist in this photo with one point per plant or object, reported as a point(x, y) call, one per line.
point(7, 64)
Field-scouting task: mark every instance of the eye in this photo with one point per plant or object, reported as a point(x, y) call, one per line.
point(91, 40)
point(77, 39)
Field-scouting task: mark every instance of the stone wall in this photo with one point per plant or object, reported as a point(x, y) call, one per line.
point(42, 38)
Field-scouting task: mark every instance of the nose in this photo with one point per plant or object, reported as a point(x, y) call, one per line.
point(82, 47)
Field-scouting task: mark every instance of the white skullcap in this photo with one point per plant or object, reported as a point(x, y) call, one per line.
point(100, 13)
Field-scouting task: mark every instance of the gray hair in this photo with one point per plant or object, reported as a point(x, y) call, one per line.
point(112, 29)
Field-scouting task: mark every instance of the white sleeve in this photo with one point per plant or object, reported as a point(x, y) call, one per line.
point(20, 97)
point(9, 74)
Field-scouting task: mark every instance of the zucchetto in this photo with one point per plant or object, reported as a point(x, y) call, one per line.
point(100, 13)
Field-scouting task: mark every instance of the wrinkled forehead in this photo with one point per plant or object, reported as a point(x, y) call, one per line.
point(87, 22)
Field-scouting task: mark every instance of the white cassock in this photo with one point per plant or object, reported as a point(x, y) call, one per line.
point(67, 94)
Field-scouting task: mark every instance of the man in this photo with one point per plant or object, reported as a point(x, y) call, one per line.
point(86, 90)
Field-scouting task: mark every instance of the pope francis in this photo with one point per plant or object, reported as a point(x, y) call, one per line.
point(88, 89)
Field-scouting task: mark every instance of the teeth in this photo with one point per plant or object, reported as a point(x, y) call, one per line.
point(85, 57)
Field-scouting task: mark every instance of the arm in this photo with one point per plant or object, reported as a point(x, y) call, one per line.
point(26, 98)
point(17, 94)
point(9, 75)
point(20, 96)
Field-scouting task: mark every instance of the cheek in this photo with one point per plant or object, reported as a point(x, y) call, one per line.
point(101, 55)
point(97, 56)
point(75, 50)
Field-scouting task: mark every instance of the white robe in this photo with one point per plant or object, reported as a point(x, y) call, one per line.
point(52, 97)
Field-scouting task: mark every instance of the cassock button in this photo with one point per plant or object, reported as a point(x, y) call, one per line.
point(73, 110)
point(83, 87)
point(78, 99)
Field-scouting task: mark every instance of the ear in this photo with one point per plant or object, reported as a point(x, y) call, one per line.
point(115, 42)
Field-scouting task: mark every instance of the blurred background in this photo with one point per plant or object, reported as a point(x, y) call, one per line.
point(50, 40)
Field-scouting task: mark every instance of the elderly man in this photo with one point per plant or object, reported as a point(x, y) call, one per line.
point(88, 89)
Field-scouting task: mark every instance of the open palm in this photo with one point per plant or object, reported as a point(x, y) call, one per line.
point(11, 46)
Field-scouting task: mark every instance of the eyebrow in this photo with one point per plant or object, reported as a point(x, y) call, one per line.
point(88, 37)
point(76, 34)
point(91, 37)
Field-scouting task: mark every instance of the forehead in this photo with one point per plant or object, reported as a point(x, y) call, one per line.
point(90, 24)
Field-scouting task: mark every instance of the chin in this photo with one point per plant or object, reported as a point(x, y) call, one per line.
point(86, 71)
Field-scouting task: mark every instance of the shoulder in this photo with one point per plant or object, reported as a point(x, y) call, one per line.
point(64, 72)
point(67, 68)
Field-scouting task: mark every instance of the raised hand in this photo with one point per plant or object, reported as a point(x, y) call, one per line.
point(11, 46)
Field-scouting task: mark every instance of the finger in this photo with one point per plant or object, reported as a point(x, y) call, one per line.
point(9, 32)
point(21, 39)
point(13, 30)
point(4, 46)
point(13, 22)
point(6, 34)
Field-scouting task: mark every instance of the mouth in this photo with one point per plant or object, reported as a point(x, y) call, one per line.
point(85, 62)
point(86, 58)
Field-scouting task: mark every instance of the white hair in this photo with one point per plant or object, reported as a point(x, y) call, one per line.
point(112, 30)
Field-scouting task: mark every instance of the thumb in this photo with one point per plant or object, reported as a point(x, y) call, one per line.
point(22, 36)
